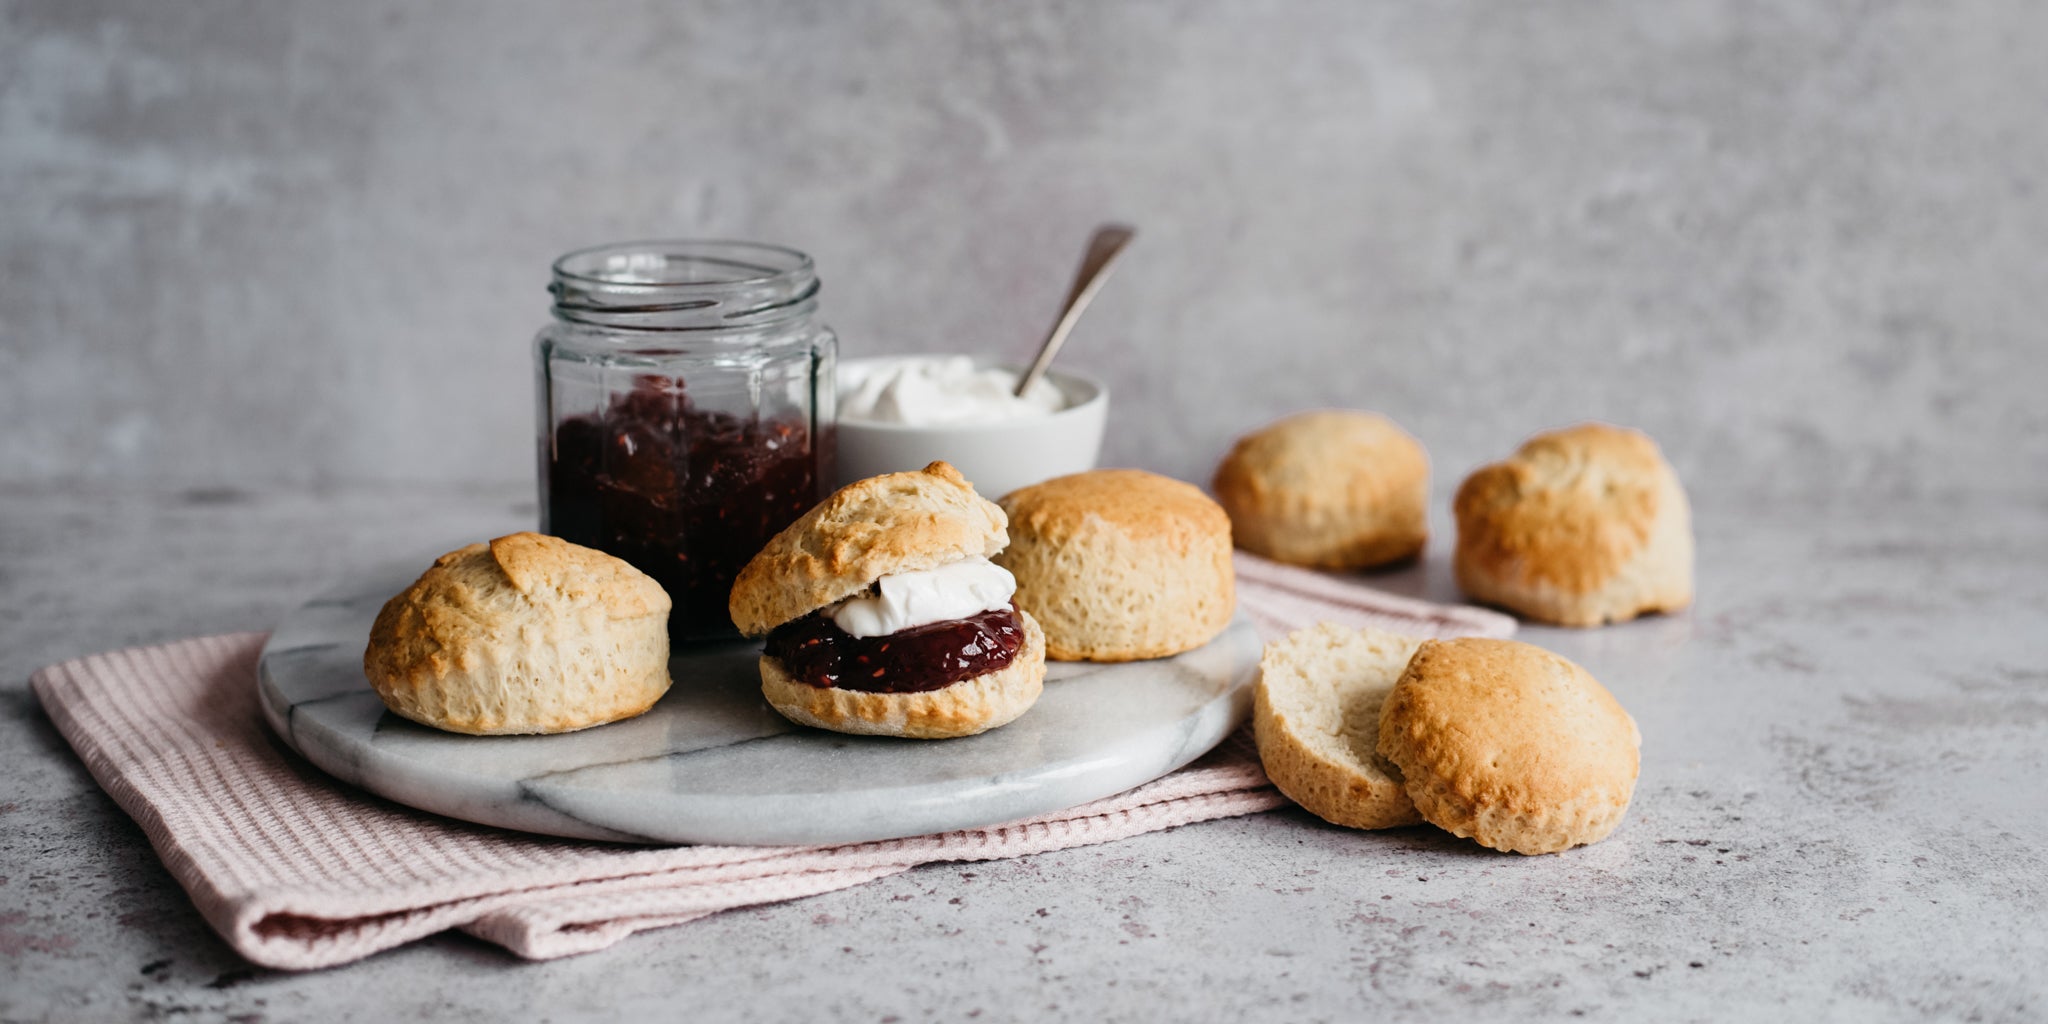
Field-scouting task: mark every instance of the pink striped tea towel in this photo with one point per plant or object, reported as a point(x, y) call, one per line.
point(297, 871)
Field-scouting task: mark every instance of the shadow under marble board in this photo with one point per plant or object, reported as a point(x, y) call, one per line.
point(713, 763)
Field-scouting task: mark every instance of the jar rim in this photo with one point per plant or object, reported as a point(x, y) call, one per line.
point(684, 285)
point(694, 251)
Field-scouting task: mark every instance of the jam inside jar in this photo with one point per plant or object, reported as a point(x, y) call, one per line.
point(686, 411)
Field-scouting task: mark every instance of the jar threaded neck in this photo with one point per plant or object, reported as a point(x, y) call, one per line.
point(684, 285)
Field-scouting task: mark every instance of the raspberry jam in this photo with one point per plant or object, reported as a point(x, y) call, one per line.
point(687, 496)
point(815, 650)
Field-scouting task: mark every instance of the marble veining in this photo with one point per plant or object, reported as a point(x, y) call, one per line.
point(713, 763)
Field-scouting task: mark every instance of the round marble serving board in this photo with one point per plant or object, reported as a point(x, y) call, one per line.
point(713, 763)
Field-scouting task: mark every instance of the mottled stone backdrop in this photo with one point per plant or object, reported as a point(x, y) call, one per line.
point(1805, 245)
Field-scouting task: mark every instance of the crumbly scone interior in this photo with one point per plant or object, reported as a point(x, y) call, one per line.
point(1334, 707)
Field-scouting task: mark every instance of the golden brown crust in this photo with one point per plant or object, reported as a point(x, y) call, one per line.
point(1581, 526)
point(525, 634)
point(963, 709)
point(1330, 489)
point(1120, 564)
point(1316, 718)
point(1510, 745)
point(543, 567)
point(897, 522)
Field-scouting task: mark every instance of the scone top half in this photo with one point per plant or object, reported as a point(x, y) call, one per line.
point(1510, 745)
point(883, 526)
point(884, 616)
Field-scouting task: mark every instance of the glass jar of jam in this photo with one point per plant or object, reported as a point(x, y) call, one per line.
point(686, 411)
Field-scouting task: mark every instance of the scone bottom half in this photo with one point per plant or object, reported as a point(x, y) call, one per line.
point(907, 673)
point(524, 634)
point(1316, 720)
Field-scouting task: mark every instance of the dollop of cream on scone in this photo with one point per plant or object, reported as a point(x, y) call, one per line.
point(923, 597)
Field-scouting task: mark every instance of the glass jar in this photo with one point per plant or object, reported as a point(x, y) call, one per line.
point(686, 411)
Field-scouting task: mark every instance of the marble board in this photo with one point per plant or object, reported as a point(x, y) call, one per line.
point(713, 763)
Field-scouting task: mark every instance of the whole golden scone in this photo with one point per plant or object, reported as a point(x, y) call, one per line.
point(1316, 717)
point(896, 522)
point(1120, 564)
point(964, 708)
point(1510, 745)
point(1581, 526)
point(525, 634)
point(1332, 489)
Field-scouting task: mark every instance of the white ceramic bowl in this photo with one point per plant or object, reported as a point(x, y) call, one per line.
point(996, 457)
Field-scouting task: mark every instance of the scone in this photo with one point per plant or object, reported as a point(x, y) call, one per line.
point(1316, 717)
point(1510, 745)
point(885, 617)
point(1581, 526)
point(1120, 564)
point(525, 634)
point(1332, 489)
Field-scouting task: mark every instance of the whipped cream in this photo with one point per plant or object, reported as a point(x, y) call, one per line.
point(906, 600)
point(939, 390)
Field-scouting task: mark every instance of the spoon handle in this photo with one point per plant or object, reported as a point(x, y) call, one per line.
point(1109, 240)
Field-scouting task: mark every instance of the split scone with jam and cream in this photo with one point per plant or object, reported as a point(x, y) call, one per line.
point(884, 616)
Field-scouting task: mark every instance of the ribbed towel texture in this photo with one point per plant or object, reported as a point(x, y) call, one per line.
point(297, 871)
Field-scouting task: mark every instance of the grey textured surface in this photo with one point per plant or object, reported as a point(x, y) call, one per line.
point(306, 242)
point(1841, 817)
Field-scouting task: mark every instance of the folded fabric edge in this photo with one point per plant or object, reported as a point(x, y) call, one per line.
point(628, 866)
point(278, 932)
point(573, 926)
point(217, 908)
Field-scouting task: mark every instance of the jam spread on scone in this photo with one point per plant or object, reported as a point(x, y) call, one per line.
point(815, 650)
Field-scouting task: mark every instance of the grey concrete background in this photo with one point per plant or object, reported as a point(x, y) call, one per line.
point(305, 243)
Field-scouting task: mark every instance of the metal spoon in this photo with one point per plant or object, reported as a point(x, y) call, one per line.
point(1109, 240)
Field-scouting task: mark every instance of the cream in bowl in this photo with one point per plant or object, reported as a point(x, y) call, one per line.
point(900, 413)
point(929, 391)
